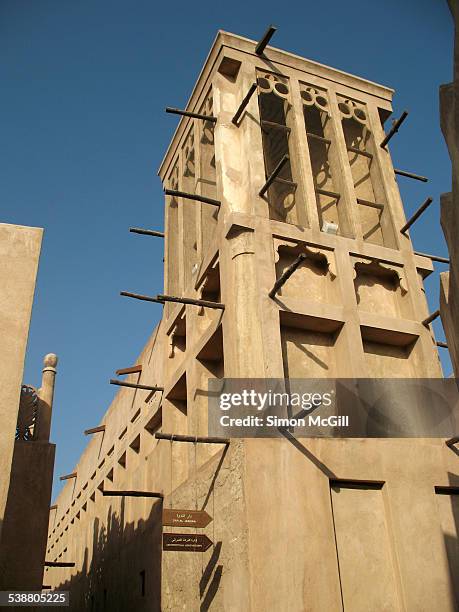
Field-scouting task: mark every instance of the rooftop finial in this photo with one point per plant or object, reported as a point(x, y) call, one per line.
point(50, 360)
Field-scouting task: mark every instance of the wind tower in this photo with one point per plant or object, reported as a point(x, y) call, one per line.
point(278, 164)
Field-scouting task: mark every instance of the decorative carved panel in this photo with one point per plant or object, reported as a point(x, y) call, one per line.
point(28, 413)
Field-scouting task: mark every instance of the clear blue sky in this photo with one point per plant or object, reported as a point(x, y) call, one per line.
point(84, 85)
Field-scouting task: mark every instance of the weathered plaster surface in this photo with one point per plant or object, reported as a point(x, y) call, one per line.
point(19, 253)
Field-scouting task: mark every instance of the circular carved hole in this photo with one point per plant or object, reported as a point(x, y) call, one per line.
point(321, 178)
point(281, 88)
point(307, 96)
point(360, 114)
point(321, 101)
point(344, 108)
point(263, 83)
point(289, 201)
point(208, 134)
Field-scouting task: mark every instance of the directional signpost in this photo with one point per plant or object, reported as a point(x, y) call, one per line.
point(186, 542)
point(186, 518)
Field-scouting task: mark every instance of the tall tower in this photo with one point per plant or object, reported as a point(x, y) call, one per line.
point(298, 524)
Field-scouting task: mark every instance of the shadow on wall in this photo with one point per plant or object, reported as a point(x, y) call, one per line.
point(123, 569)
point(449, 516)
point(210, 579)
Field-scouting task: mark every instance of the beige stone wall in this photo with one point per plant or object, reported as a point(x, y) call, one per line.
point(449, 281)
point(19, 254)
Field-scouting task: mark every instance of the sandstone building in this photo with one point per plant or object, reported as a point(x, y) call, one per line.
point(26, 455)
point(298, 524)
point(449, 115)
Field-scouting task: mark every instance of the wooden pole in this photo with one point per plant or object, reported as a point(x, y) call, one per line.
point(272, 177)
point(123, 383)
point(261, 45)
point(416, 215)
point(433, 257)
point(394, 129)
point(193, 439)
point(68, 476)
point(138, 296)
point(94, 430)
point(286, 274)
point(416, 177)
point(136, 369)
point(59, 564)
point(146, 232)
point(185, 300)
point(132, 494)
point(192, 196)
point(244, 103)
point(431, 318)
point(177, 111)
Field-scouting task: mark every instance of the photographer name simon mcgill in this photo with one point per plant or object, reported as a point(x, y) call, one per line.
point(307, 402)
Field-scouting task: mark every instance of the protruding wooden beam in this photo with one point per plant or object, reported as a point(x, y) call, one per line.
point(394, 129)
point(146, 232)
point(177, 111)
point(433, 257)
point(194, 439)
point(286, 274)
point(431, 318)
point(192, 196)
point(185, 300)
point(442, 345)
point(416, 215)
point(452, 441)
point(138, 296)
point(59, 564)
point(106, 493)
point(416, 177)
point(94, 430)
point(68, 476)
point(272, 177)
point(264, 40)
point(123, 383)
point(53, 507)
point(136, 369)
point(244, 103)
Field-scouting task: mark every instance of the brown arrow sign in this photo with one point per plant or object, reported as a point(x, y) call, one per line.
point(186, 518)
point(186, 542)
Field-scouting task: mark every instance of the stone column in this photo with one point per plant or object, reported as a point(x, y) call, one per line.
point(46, 394)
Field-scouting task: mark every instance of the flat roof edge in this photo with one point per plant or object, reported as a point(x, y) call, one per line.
point(229, 39)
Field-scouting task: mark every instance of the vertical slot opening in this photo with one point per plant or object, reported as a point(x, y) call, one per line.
point(122, 460)
point(189, 210)
point(211, 285)
point(177, 339)
point(373, 213)
point(275, 111)
point(319, 134)
point(172, 280)
point(207, 180)
point(135, 444)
